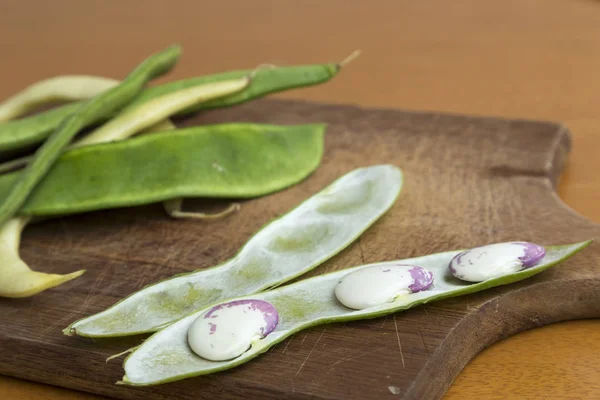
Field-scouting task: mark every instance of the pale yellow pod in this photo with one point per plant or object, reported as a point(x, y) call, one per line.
point(16, 278)
point(58, 88)
point(155, 111)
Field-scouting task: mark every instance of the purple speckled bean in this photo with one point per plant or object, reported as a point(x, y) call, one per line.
point(375, 285)
point(495, 260)
point(227, 330)
point(268, 310)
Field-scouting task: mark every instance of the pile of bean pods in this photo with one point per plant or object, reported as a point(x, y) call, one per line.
point(65, 176)
point(219, 317)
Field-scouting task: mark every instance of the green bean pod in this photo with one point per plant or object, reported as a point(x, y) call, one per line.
point(167, 357)
point(228, 160)
point(30, 131)
point(89, 112)
point(265, 81)
point(288, 247)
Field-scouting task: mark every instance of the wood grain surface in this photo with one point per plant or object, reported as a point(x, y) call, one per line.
point(531, 59)
point(468, 181)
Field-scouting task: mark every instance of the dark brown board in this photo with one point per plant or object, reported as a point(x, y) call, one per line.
point(468, 181)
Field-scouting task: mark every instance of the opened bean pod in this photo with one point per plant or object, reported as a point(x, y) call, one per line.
point(288, 247)
point(169, 354)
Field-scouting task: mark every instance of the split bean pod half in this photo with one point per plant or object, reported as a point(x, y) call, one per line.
point(286, 248)
point(168, 355)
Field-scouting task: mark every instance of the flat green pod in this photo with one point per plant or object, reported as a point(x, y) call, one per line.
point(287, 247)
point(166, 355)
point(227, 160)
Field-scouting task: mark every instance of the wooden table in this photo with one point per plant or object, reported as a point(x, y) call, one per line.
point(532, 59)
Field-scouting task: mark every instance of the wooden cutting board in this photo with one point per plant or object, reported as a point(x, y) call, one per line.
point(468, 181)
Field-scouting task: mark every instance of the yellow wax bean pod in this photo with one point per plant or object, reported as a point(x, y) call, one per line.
point(16, 278)
point(58, 88)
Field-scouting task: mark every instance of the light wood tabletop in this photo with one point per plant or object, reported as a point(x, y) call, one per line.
point(534, 59)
